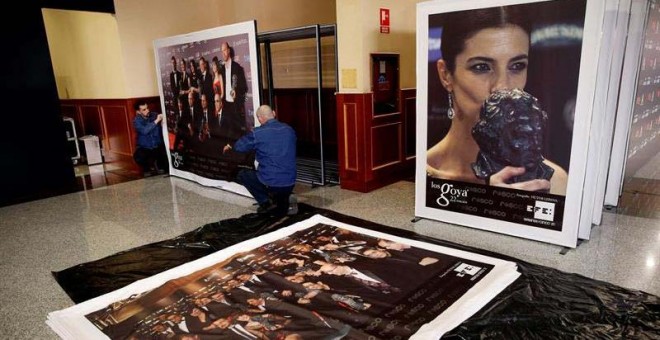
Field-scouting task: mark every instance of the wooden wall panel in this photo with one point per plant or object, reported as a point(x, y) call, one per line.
point(117, 123)
point(409, 111)
point(382, 146)
point(293, 107)
point(299, 108)
point(112, 121)
point(91, 121)
point(350, 143)
point(386, 145)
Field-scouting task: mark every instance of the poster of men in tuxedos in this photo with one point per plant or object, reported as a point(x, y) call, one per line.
point(323, 282)
point(209, 89)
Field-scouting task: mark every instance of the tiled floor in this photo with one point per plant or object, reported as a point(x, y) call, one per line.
point(101, 175)
point(641, 193)
point(55, 233)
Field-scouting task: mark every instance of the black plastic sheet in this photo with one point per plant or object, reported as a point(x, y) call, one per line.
point(543, 303)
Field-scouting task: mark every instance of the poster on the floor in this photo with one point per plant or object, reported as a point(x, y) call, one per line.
point(504, 102)
point(209, 89)
point(317, 279)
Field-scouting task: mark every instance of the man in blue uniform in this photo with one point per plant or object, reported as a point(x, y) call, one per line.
point(275, 146)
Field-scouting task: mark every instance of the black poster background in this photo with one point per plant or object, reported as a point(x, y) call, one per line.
point(363, 297)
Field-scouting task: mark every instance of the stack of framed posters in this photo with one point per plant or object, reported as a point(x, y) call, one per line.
point(316, 279)
point(505, 104)
point(209, 90)
point(615, 26)
point(635, 114)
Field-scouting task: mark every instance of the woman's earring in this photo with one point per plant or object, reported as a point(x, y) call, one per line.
point(450, 110)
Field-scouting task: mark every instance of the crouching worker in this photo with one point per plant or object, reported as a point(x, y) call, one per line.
point(275, 145)
point(150, 153)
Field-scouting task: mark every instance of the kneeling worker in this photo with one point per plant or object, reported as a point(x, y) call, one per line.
point(275, 146)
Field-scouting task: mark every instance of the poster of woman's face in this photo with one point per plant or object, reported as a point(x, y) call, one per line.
point(499, 83)
point(208, 83)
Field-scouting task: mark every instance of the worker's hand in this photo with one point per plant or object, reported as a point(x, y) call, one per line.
point(226, 148)
point(159, 118)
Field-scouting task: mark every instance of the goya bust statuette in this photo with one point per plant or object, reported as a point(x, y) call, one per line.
point(510, 133)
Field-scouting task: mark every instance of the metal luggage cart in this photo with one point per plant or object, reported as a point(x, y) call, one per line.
point(72, 139)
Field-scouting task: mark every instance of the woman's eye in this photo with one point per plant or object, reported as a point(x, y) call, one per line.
point(518, 66)
point(480, 68)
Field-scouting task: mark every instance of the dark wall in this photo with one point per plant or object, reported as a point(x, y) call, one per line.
point(34, 162)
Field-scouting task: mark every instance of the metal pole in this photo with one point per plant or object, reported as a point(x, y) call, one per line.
point(269, 73)
point(334, 34)
point(319, 70)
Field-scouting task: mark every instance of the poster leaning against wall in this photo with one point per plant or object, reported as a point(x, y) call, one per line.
point(209, 89)
point(505, 93)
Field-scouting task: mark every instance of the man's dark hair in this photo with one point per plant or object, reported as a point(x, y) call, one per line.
point(139, 103)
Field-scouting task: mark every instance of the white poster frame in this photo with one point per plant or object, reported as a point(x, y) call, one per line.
point(622, 22)
point(627, 92)
point(249, 28)
point(567, 236)
point(598, 137)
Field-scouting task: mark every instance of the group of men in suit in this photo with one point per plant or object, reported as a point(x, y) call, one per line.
point(206, 112)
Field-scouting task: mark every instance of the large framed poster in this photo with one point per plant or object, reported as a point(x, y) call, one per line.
point(507, 87)
point(209, 89)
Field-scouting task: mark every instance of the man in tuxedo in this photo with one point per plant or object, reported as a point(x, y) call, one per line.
point(204, 130)
point(183, 129)
point(236, 88)
point(175, 78)
point(195, 116)
point(217, 121)
point(185, 83)
point(205, 80)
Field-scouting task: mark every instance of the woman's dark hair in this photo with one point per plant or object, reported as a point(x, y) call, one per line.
point(460, 26)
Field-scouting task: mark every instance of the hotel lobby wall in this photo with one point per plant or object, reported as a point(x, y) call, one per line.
point(139, 24)
point(374, 150)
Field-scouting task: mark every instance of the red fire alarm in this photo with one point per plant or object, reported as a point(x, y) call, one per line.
point(384, 20)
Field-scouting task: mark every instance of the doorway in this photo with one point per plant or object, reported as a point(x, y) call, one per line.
point(299, 80)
